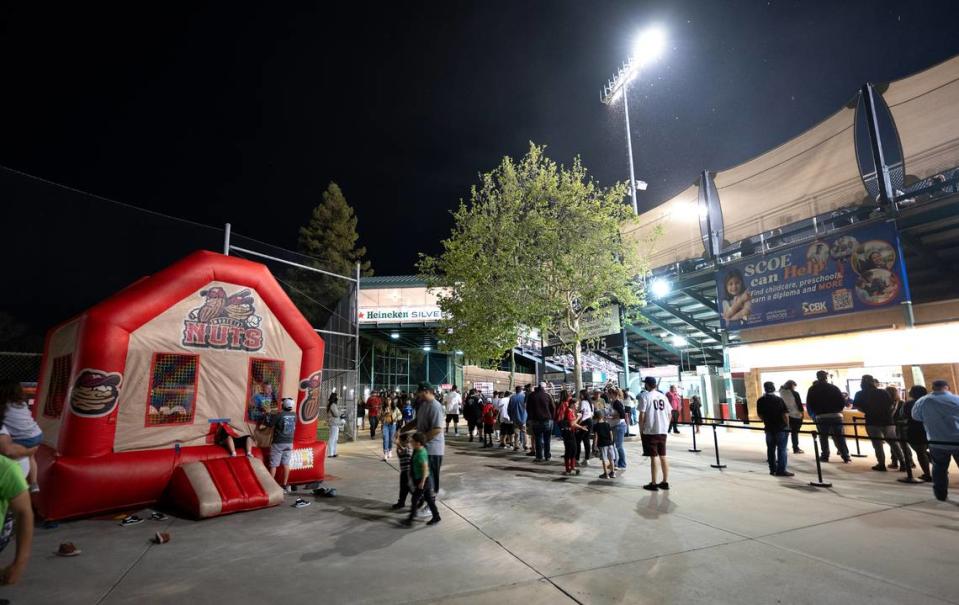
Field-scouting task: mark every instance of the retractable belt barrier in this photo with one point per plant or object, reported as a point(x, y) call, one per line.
point(903, 443)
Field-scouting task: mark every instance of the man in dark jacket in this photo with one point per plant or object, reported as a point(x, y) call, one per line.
point(826, 403)
point(772, 410)
point(876, 404)
point(472, 410)
point(540, 410)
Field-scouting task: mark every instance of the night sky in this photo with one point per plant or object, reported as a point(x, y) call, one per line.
point(244, 115)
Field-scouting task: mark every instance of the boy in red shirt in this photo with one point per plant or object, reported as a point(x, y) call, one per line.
point(373, 410)
point(489, 422)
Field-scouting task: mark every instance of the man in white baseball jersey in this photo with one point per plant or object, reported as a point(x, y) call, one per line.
point(654, 417)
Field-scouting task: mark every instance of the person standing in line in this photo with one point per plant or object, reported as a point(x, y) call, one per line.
point(429, 421)
point(473, 412)
point(898, 420)
point(619, 426)
point(530, 432)
point(407, 408)
point(333, 421)
point(453, 402)
point(629, 402)
point(916, 431)
point(584, 438)
point(568, 429)
point(772, 410)
point(422, 483)
point(517, 412)
point(939, 413)
point(696, 410)
point(675, 404)
point(389, 415)
point(603, 443)
point(541, 409)
point(876, 404)
point(489, 423)
point(654, 417)
point(825, 403)
point(506, 426)
point(373, 405)
point(794, 405)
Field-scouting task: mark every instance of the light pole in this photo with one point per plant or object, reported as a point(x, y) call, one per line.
point(648, 47)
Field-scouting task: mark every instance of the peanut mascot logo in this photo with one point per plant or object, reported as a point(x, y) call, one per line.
point(95, 393)
point(224, 322)
point(310, 408)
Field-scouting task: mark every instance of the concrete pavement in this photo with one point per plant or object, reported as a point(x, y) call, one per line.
point(517, 531)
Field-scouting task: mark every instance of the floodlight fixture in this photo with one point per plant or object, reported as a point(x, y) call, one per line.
point(679, 341)
point(649, 45)
point(660, 287)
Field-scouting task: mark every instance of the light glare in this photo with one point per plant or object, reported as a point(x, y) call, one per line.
point(660, 287)
point(649, 46)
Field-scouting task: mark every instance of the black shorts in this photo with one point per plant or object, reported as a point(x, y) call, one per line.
point(454, 418)
point(506, 428)
point(654, 445)
point(239, 443)
point(488, 429)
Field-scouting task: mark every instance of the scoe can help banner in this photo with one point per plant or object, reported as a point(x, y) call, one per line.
point(856, 270)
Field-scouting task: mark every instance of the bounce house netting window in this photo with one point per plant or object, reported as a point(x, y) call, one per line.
point(263, 393)
point(59, 382)
point(173, 385)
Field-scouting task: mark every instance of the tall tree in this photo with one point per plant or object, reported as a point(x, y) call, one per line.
point(330, 240)
point(538, 246)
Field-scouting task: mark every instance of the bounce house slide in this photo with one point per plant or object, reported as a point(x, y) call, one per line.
point(221, 486)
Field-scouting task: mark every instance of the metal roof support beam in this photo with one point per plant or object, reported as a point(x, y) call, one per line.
point(701, 299)
point(688, 320)
point(694, 342)
point(656, 340)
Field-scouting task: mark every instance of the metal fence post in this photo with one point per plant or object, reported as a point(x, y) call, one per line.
point(694, 449)
point(855, 432)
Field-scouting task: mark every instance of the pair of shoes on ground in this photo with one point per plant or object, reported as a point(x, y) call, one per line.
point(398, 505)
point(798, 451)
point(136, 519)
point(880, 467)
point(301, 503)
point(409, 522)
point(655, 487)
point(782, 474)
point(609, 476)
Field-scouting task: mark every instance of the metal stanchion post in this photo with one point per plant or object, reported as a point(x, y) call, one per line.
point(855, 432)
point(815, 445)
point(716, 447)
point(694, 449)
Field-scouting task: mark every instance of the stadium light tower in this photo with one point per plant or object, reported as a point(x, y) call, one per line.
point(649, 45)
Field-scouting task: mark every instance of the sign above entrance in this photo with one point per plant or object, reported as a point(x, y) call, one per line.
point(856, 270)
point(593, 324)
point(409, 314)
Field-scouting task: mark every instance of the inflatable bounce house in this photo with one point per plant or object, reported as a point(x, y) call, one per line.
point(133, 390)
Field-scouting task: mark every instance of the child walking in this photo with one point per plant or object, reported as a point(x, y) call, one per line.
point(603, 440)
point(489, 423)
point(422, 484)
point(404, 453)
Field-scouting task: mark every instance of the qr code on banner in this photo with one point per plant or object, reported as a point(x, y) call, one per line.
point(842, 299)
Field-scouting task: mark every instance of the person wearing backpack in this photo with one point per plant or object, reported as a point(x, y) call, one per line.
point(281, 450)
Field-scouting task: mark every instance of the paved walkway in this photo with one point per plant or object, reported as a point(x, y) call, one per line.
point(513, 531)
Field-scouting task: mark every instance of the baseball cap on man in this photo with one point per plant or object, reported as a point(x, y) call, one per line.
point(425, 386)
point(287, 403)
point(650, 380)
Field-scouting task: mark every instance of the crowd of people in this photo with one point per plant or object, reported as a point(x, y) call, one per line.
point(926, 424)
point(592, 425)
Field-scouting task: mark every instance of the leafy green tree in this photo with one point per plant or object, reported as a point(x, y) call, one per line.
point(330, 240)
point(538, 245)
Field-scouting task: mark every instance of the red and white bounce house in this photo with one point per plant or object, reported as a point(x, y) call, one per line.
point(132, 390)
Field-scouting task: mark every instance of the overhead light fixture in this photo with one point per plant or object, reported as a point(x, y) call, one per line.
point(459, 352)
point(679, 341)
point(660, 287)
point(427, 348)
point(649, 45)
point(395, 335)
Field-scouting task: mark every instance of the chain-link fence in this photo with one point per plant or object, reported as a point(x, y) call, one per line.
point(22, 367)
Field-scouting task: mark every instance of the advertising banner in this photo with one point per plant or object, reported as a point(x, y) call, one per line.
point(856, 270)
point(403, 314)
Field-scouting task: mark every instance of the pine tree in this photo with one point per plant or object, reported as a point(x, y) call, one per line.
point(329, 239)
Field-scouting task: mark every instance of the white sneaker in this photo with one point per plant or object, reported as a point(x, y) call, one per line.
point(424, 512)
point(287, 490)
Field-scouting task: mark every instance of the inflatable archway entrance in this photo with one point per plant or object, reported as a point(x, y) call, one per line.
point(130, 389)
